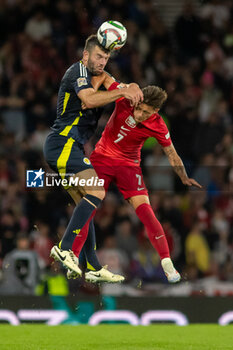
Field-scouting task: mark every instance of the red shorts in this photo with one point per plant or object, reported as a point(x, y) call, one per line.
point(128, 178)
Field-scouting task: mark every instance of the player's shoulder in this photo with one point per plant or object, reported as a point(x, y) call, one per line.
point(78, 69)
point(124, 104)
point(159, 118)
point(156, 123)
point(82, 69)
point(161, 126)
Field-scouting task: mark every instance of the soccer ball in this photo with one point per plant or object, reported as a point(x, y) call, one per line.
point(112, 35)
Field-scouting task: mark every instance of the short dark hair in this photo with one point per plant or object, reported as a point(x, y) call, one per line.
point(154, 96)
point(91, 42)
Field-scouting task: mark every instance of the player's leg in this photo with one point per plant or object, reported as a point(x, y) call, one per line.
point(130, 183)
point(57, 150)
point(66, 156)
point(95, 272)
point(155, 233)
point(88, 259)
point(77, 229)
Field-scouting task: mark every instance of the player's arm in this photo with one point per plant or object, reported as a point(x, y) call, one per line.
point(92, 98)
point(107, 80)
point(104, 79)
point(96, 98)
point(178, 166)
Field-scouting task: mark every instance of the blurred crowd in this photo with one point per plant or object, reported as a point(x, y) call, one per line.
point(193, 62)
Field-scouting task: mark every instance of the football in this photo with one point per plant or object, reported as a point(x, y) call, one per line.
point(112, 35)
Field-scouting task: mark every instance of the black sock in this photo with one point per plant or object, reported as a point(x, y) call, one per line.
point(82, 260)
point(81, 215)
point(89, 249)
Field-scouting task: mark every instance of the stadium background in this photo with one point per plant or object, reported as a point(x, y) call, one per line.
point(184, 47)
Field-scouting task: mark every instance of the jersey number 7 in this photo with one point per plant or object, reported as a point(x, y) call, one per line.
point(121, 134)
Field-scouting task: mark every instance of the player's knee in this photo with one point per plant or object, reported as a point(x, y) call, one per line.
point(99, 193)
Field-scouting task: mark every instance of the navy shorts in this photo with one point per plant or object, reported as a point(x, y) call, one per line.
point(65, 155)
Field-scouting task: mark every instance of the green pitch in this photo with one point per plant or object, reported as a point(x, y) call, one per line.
point(116, 337)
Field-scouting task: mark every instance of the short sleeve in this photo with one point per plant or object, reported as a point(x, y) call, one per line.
point(161, 133)
point(113, 86)
point(81, 83)
point(82, 79)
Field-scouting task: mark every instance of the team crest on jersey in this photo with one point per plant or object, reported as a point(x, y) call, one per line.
point(81, 81)
point(167, 135)
point(130, 122)
point(86, 161)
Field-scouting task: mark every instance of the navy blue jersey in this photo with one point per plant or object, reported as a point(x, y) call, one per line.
point(71, 120)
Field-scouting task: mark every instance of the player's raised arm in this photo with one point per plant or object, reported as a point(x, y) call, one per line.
point(104, 79)
point(178, 166)
point(93, 98)
point(108, 81)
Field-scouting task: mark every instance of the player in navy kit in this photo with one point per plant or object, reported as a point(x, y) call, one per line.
point(72, 128)
point(116, 158)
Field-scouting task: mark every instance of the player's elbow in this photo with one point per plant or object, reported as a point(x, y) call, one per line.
point(88, 102)
point(87, 98)
point(86, 105)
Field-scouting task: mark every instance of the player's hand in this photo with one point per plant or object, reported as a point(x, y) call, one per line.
point(191, 182)
point(134, 94)
point(83, 105)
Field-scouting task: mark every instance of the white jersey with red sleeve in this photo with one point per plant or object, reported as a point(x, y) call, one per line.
point(123, 138)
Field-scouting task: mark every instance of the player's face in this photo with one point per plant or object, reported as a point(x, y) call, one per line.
point(142, 112)
point(97, 61)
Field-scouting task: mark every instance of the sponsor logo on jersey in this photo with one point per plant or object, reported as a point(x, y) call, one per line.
point(167, 135)
point(81, 82)
point(86, 161)
point(159, 237)
point(130, 122)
